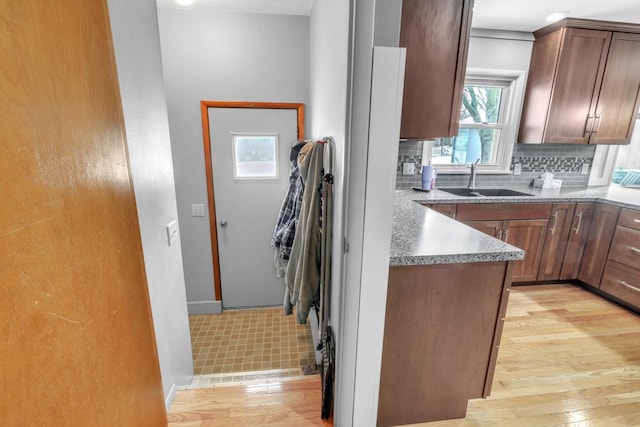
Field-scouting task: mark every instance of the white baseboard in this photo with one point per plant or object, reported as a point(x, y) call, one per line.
point(168, 401)
point(204, 307)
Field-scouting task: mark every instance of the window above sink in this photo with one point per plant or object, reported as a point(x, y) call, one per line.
point(490, 107)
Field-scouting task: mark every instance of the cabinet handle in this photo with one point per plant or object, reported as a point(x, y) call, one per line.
point(628, 286)
point(596, 124)
point(588, 129)
point(633, 249)
point(579, 223)
point(636, 220)
point(506, 234)
point(555, 221)
point(499, 234)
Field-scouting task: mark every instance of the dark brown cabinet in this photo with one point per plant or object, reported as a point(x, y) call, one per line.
point(583, 84)
point(441, 339)
point(447, 209)
point(576, 241)
point(621, 277)
point(556, 240)
point(436, 36)
point(521, 225)
point(603, 224)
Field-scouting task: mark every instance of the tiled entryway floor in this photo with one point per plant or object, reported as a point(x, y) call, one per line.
point(249, 340)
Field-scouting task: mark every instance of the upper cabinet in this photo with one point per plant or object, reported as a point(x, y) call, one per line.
point(436, 35)
point(583, 85)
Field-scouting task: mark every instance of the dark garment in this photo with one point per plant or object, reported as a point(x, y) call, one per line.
point(290, 211)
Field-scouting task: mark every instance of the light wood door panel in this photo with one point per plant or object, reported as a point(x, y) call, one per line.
point(78, 346)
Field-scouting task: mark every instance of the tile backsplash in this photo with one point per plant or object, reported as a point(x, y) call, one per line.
point(564, 161)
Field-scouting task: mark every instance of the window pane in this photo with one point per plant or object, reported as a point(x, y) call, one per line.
point(481, 104)
point(470, 145)
point(255, 156)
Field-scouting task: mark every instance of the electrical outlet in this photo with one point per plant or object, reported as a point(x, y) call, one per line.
point(517, 169)
point(408, 169)
point(585, 169)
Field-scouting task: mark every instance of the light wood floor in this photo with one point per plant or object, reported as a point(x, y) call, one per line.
point(567, 358)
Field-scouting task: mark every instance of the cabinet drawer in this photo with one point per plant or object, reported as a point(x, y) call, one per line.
point(626, 247)
point(501, 211)
point(629, 218)
point(622, 282)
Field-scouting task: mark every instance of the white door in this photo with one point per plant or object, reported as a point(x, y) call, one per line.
point(249, 186)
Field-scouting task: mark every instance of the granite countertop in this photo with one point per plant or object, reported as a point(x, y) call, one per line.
point(423, 236)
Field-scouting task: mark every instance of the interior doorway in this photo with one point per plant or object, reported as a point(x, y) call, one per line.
point(247, 165)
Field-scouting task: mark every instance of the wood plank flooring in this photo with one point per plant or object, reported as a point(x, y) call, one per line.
point(567, 358)
point(293, 403)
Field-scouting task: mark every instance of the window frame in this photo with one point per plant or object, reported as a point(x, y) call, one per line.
point(511, 109)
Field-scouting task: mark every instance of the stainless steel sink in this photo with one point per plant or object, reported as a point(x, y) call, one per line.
point(484, 192)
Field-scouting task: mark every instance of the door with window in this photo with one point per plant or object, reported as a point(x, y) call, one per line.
point(250, 165)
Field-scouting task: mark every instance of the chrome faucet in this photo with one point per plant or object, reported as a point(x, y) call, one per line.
point(472, 178)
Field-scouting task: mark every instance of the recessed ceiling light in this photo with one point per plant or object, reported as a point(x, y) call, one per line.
point(556, 16)
point(184, 2)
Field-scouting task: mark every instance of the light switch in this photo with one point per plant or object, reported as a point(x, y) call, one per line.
point(172, 232)
point(197, 209)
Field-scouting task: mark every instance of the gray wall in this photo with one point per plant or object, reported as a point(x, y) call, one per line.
point(328, 111)
point(137, 47)
point(505, 50)
point(329, 72)
point(212, 55)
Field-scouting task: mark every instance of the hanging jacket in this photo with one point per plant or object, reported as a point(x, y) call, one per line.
point(302, 276)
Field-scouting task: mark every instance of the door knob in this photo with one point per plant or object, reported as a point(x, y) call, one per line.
point(223, 223)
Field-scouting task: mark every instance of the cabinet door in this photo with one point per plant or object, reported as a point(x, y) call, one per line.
point(448, 209)
point(577, 239)
point(527, 235)
point(603, 224)
point(618, 101)
point(492, 228)
point(556, 240)
point(577, 79)
point(436, 35)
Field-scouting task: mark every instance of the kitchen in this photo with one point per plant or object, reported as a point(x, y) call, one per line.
point(356, 381)
point(538, 220)
point(369, 337)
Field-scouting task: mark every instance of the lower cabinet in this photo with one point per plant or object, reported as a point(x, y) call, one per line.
point(576, 241)
point(522, 225)
point(442, 331)
point(556, 240)
point(594, 258)
point(621, 277)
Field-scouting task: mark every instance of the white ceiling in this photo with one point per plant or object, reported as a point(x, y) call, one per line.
point(529, 15)
point(277, 7)
point(514, 15)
